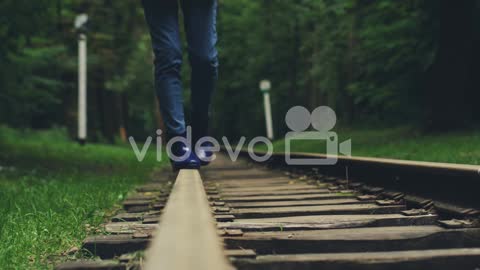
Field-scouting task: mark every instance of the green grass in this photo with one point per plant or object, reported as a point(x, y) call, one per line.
point(401, 143)
point(50, 188)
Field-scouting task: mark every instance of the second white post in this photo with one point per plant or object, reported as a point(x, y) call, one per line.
point(265, 86)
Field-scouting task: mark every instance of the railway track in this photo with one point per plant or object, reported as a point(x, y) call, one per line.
point(239, 215)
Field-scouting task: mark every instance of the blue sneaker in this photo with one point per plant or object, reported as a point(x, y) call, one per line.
point(204, 156)
point(183, 157)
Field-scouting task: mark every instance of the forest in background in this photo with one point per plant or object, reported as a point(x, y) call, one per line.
point(383, 62)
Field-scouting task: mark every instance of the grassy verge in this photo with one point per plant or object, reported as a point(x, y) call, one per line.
point(400, 143)
point(51, 188)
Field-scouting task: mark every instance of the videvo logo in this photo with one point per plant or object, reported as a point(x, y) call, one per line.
point(323, 120)
point(298, 119)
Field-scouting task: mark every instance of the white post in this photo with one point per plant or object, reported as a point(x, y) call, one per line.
point(265, 86)
point(82, 88)
point(268, 114)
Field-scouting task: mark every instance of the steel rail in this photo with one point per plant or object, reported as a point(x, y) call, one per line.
point(450, 182)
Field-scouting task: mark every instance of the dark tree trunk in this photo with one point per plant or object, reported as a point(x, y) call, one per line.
point(124, 117)
point(295, 55)
point(449, 78)
point(350, 69)
point(109, 115)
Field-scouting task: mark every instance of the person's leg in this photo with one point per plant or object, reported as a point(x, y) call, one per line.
point(200, 27)
point(162, 19)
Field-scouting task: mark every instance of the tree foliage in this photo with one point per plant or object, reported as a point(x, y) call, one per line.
point(412, 61)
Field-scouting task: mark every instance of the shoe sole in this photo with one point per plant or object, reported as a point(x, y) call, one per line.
point(203, 163)
point(187, 167)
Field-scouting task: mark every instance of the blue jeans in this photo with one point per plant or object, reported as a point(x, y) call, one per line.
point(200, 28)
